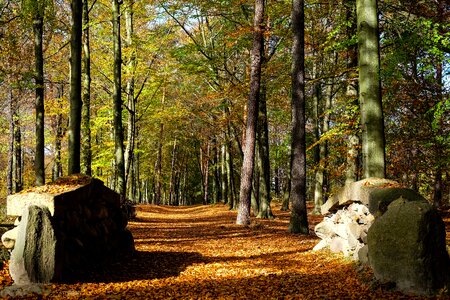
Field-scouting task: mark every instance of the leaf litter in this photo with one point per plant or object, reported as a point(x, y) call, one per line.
point(198, 252)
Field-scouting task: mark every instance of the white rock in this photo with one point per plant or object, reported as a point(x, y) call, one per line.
point(324, 229)
point(354, 230)
point(341, 230)
point(321, 245)
point(337, 244)
point(9, 238)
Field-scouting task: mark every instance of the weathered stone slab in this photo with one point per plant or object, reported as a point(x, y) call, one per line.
point(406, 246)
point(65, 197)
point(33, 256)
point(18, 202)
point(375, 193)
point(88, 227)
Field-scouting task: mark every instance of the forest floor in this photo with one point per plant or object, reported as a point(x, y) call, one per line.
point(198, 252)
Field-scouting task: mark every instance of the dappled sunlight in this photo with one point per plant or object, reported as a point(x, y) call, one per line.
point(199, 253)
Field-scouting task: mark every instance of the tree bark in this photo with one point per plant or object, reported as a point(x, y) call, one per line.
point(158, 167)
point(86, 153)
point(57, 166)
point(224, 180)
point(131, 68)
point(75, 87)
point(265, 211)
point(172, 189)
point(318, 174)
point(38, 31)
point(117, 99)
point(243, 217)
point(373, 141)
point(298, 222)
point(11, 165)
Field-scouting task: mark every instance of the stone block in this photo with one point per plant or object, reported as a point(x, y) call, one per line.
point(406, 246)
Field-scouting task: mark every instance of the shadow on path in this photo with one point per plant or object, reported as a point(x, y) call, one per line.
point(145, 266)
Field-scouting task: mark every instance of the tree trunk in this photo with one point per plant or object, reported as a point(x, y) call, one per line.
point(224, 180)
point(75, 87)
point(353, 141)
point(216, 168)
point(205, 171)
point(243, 217)
point(265, 210)
point(131, 68)
point(286, 196)
point(298, 222)
point(11, 166)
point(256, 186)
point(86, 153)
point(158, 167)
point(318, 182)
point(172, 174)
point(38, 30)
point(230, 176)
point(373, 141)
point(352, 159)
point(117, 99)
point(57, 166)
point(324, 146)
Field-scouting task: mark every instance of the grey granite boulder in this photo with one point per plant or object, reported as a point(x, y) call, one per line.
point(406, 246)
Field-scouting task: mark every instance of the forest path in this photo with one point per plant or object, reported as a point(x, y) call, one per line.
point(198, 252)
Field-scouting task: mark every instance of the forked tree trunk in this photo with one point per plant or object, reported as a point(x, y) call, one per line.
point(243, 217)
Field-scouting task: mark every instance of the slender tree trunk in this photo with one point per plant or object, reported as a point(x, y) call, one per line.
point(206, 176)
point(86, 153)
point(255, 199)
point(230, 176)
point(11, 152)
point(243, 217)
point(158, 166)
point(224, 180)
point(172, 174)
point(57, 166)
point(373, 141)
point(323, 165)
point(439, 145)
point(298, 222)
point(216, 168)
point(38, 30)
point(117, 99)
point(265, 210)
point(75, 87)
point(286, 196)
point(353, 141)
point(131, 67)
point(318, 183)
point(352, 159)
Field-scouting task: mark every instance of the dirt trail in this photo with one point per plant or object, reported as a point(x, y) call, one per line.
point(199, 253)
